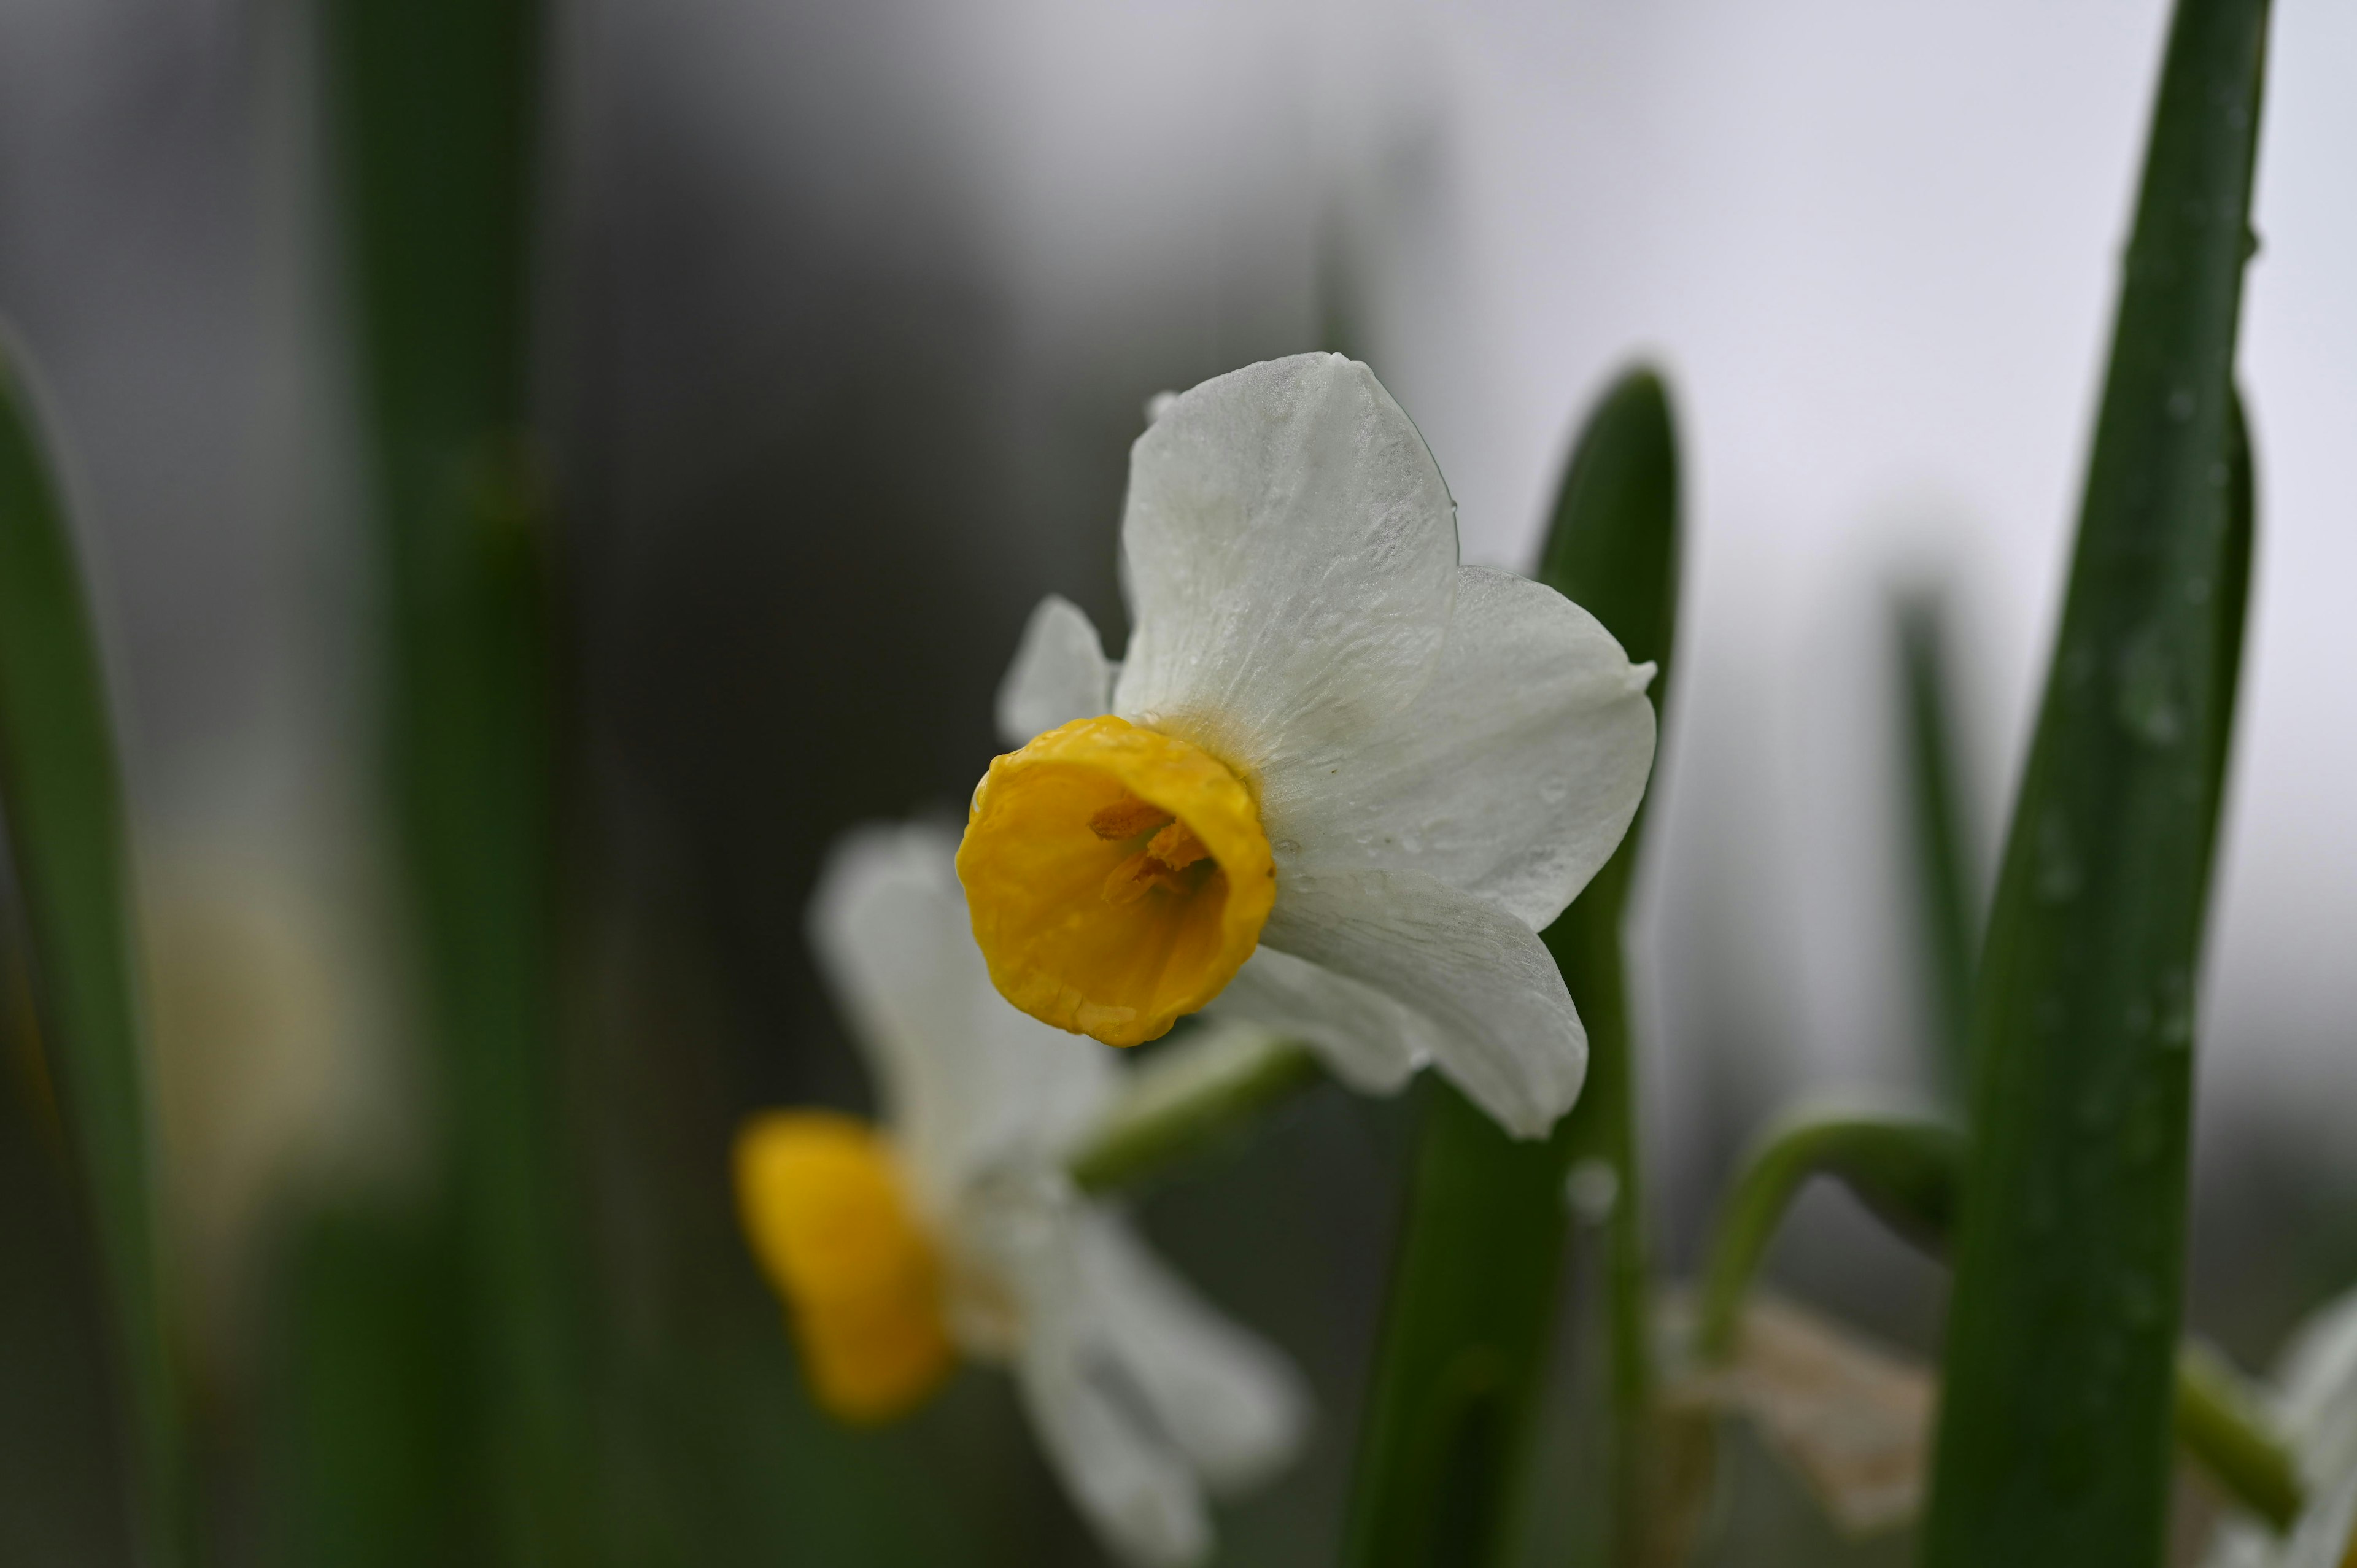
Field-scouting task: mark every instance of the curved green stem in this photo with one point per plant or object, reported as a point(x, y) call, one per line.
point(1907, 1170)
point(1902, 1168)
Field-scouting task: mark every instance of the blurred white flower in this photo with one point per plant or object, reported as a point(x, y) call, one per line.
point(274, 1079)
point(1330, 742)
point(952, 1228)
point(1853, 1421)
point(2315, 1405)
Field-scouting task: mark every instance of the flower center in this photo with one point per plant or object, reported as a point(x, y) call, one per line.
point(1117, 879)
point(822, 1201)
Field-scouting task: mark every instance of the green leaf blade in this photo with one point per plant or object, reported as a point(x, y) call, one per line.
point(1469, 1327)
point(60, 793)
point(2054, 1435)
point(435, 107)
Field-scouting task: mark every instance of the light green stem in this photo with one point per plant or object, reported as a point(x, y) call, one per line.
point(2221, 1425)
point(1186, 1098)
point(1903, 1167)
point(1587, 945)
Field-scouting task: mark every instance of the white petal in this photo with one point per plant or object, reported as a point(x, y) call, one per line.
point(1853, 1420)
point(1233, 1404)
point(2319, 1540)
point(2317, 1378)
point(2315, 1401)
point(1290, 553)
point(965, 1080)
point(1127, 1474)
point(1060, 673)
point(1504, 1028)
point(1513, 774)
point(2326, 1529)
point(1365, 1038)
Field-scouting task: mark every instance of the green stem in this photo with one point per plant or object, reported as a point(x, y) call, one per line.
point(1187, 1098)
point(1603, 1129)
point(1904, 1168)
point(2219, 1422)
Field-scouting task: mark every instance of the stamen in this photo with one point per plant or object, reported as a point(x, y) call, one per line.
point(1161, 864)
point(1176, 847)
point(1135, 878)
point(1127, 818)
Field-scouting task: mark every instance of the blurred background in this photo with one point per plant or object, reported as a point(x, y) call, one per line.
point(843, 318)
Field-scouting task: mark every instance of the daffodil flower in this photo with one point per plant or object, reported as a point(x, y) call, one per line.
point(951, 1229)
point(2315, 1405)
point(1340, 782)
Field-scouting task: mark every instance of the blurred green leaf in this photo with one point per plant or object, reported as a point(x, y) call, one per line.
point(1463, 1356)
point(63, 1495)
point(1943, 861)
point(63, 799)
point(435, 107)
point(365, 1397)
point(2054, 1433)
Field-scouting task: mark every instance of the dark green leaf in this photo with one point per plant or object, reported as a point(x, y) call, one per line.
point(1467, 1329)
point(63, 799)
point(2054, 1433)
point(435, 104)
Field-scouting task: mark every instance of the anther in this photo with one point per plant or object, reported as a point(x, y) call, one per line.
point(1127, 818)
point(1137, 877)
point(1177, 846)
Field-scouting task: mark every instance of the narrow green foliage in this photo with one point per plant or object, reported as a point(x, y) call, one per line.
point(1465, 1341)
point(1470, 1324)
point(61, 797)
point(2054, 1431)
point(367, 1359)
point(1942, 851)
point(1909, 1171)
point(435, 106)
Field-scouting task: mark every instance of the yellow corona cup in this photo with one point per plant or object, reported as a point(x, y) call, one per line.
point(1117, 878)
point(830, 1222)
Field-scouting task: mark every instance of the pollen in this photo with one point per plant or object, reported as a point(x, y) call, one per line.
point(829, 1219)
point(1117, 879)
